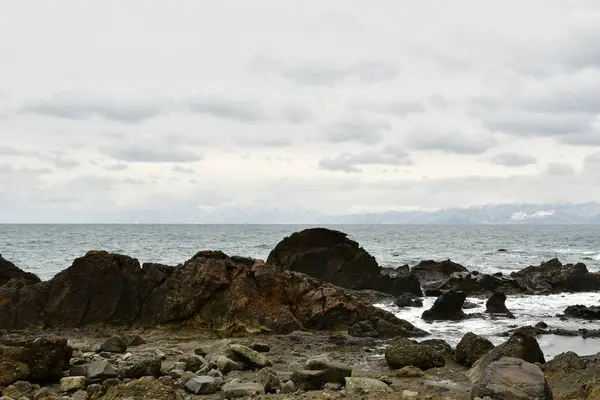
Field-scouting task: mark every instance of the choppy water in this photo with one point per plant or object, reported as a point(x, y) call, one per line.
point(47, 249)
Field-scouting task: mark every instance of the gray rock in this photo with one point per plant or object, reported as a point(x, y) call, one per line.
point(176, 373)
point(20, 389)
point(527, 381)
point(402, 352)
point(180, 365)
point(334, 387)
point(72, 383)
point(192, 363)
point(80, 395)
point(309, 380)
point(288, 387)
point(470, 349)
point(360, 386)
point(235, 389)
point(160, 354)
point(201, 385)
point(186, 376)
point(334, 372)
point(215, 373)
point(100, 370)
point(260, 347)
point(201, 351)
point(269, 379)
point(140, 368)
point(115, 344)
point(250, 357)
point(409, 372)
point(226, 364)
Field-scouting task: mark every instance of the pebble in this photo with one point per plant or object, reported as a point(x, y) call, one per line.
point(288, 387)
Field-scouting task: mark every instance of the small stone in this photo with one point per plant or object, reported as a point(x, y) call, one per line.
point(269, 379)
point(234, 390)
point(331, 386)
point(409, 395)
point(160, 354)
point(180, 365)
point(288, 387)
point(134, 340)
point(80, 395)
point(115, 344)
point(192, 363)
point(72, 383)
point(126, 356)
point(201, 385)
point(260, 347)
point(94, 390)
point(100, 370)
point(409, 372)
point(250, 357)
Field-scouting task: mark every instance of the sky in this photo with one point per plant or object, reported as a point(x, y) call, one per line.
point(336, 106)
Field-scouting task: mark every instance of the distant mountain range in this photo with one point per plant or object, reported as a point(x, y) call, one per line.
point(497, 214)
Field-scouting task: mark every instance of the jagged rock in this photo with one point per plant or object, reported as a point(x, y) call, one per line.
point(441, 346)
point(330, 256)
point(201, 385)
point(402, 352)
point(429, 271)
point(72, 383)
point(249, 357)
point(408, 300)
point(269, 379)
point(470, 349)
point(583, 312)
point(519, 345)
point(234, 389)
point(476, 283)
point(362, 386)
point(145, 388)
point(334, 372)
point(141, 368)
point(38, 360)
point(496, 305)
point(527, 381)
point(115, 344)
point(554, 277)
point(228, 295)
point(565, 363)
point(447, 307)
point(98, 370)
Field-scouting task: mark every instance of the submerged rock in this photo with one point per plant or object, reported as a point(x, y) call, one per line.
point(447, 307)
point(330, 256)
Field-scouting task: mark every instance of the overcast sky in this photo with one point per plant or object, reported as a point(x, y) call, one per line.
point(328, 105)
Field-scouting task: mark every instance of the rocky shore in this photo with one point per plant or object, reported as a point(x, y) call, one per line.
point(300, 325)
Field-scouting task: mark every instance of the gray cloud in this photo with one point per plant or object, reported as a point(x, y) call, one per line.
point(513, 159)
point(557, 168)
point(398, 108)
point(183, 170)
point(438, 101)
point(295, 114)
point(591, 163)
point(423, 137)
point(239, 110)
point(357, 130)
point(346, 162)
point(56, 158)
point(321, 75)
point(117, 167)
point(83, 106)
point(150, 154)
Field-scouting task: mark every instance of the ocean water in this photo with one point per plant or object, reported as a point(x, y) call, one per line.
point(48, 249)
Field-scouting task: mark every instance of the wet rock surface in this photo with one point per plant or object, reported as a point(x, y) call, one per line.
point(447, 307)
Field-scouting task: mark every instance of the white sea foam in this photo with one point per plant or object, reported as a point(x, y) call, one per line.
point(528, 310)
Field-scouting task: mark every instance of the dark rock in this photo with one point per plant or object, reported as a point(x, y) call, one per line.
point(115, 344)
point(554, 277)
point(384, 328)
point(402, 352)
point(308, 379)
point(229, 295)
point(447, 307)
point(519, 345)
point(269, 379)
point(260, 347)
point(408, 300)
point(476, 283)
point(201, 385)
point(140, 368)
point(527, 381)
point(433, 292)
point(40, 360)
point(440, 345)
point(565, 363)
point(330, 256)
point(583, 312)
point(496, 305)
point(334, 372)
point(502, 250)
point(541, 325)
point(471, 348)
point(433, 271)
point(192, 363)
point(9, 271)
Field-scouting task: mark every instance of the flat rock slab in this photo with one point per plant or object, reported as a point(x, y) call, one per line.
point(359, 385)
point(234, 390)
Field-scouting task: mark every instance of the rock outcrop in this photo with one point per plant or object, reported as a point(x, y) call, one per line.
point(477, 283)
point(447, 307)
point(227, 295)
point(9, 271)
point(330, 256)
point(471, 348)
point(496, 304)
point(429, 271)
point(583, 312)
point(554, 277)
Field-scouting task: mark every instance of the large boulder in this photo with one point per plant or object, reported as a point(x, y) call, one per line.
point(9, 271)
point(496, 304)
point(402, 352)
point(470, 349)
point(554, 277)
point(583, 312)
point(512, 378)
point(436, 271)
point(36, 360)
point(519, 345)
point(447, 307)
point(228, 295)
point(330, 256)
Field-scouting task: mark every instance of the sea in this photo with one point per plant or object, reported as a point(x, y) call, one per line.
point(47, 249)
